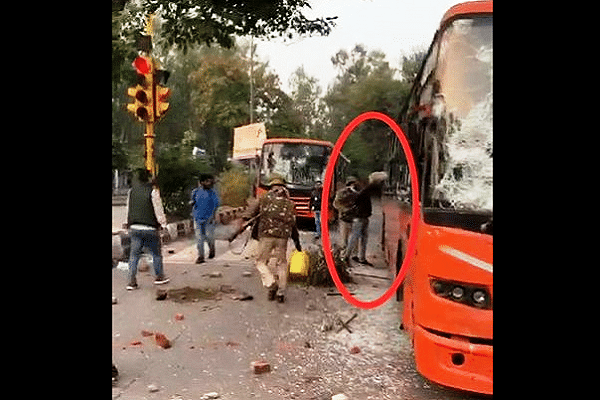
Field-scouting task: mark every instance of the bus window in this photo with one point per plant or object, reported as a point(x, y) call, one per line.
point(300, 165)
point(460, 175)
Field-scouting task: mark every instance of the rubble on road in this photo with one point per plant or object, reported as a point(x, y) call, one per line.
point(260, 367)
point(162, 340)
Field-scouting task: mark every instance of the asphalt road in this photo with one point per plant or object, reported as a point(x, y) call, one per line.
point(311, 355)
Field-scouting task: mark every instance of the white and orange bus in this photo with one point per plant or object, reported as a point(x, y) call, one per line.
point(448, 290)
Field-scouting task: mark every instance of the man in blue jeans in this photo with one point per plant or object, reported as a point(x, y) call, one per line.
point(145, 215)
point(205, 202)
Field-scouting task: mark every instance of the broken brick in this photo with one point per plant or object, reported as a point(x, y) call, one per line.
point(260, 367)
point(162, 340)
point(146, 333)
point(179, 317)
point(355, 350)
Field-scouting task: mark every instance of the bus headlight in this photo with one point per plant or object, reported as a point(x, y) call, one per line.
point(458, 292)
point(479, 297)
point(464, 293)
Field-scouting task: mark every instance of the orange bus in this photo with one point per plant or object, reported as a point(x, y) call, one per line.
point(302, 163)
point(447, 294)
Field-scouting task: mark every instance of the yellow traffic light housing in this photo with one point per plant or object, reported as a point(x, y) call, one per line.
point(162, 95)
point(143, 105)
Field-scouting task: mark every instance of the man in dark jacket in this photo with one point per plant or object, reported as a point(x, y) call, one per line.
point(314, 205)
point(360, 224)
point(145, 215)
point(344, 203)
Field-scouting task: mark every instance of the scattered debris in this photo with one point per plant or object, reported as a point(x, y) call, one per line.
point(226, 289)
point(340, 396)
point(162, 340)
point(260, 367)
point(135, 343)
point(179, 317)
point(242, 296)
point(215, 274)
point(326, 325)
point(211, 395)
point(318, 271)
point(152, 388)
point(114, 300)
point(354, 350)
point(247, 274)
point(146, 333)
point(345, 324)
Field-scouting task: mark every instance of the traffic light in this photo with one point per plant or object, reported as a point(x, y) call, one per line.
point(142, 106)
point(162, 95)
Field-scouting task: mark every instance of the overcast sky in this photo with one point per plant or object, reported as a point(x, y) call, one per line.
point(396, 27)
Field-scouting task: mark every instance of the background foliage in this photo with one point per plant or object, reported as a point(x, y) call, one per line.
point(211, 90)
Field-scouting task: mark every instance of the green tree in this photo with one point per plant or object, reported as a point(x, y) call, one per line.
point(411, 65)
point(308, 106)
point(365, 82)
point(190, 23)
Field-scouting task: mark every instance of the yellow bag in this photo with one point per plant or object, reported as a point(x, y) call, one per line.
point(299, 263)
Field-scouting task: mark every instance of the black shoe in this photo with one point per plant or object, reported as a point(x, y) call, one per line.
point(211, 255)
point(199, 260)
point(280, 298)
point(132, 285)
point(272, 292)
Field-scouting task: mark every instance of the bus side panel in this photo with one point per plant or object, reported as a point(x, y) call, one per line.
point(397, 220)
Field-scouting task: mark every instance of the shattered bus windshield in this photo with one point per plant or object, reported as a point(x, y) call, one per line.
point(462, 101)
point(299, 164)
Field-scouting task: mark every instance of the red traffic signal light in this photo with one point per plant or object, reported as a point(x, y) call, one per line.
point(142, 107)
point(142, 65)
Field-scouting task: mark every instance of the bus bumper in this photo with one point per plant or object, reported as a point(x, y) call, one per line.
point(454, 362)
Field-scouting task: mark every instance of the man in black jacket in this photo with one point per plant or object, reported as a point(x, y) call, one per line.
point(360, 224)
point(314, 205)
point(145, 215)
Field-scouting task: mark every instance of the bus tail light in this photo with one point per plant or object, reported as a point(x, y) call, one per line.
point(471, 295)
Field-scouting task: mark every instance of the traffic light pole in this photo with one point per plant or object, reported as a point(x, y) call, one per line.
point(149, 133)
point(149, 153)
